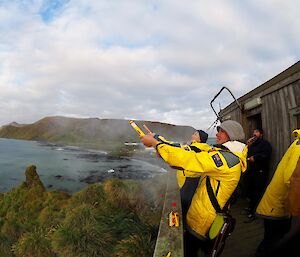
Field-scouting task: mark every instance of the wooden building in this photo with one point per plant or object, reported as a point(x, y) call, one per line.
point(273, 106)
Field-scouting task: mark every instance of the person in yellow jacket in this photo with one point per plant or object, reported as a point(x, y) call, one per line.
point(186, 184)
point(222, 163)
point(199, 139)
point(272, 206)
point(289, 244)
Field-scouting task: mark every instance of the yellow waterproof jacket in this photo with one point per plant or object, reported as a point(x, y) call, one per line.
point(224, 169)
point(293, 197)
point(194, 146)
point(181, 177)
point(272, 204)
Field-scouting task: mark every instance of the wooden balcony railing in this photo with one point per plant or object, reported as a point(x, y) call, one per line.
point(170, 239)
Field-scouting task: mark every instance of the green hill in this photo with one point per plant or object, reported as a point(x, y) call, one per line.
point(91, 131)
point(115, 218)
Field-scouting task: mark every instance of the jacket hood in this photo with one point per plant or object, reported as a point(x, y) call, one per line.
point(239, 149)
point(296, 133)
point(235, 146)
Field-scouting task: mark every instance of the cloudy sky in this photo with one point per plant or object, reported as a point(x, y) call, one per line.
point(142, 59)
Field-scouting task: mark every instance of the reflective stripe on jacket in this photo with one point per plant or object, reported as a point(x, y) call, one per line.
point(224, 169)
point(272, 204)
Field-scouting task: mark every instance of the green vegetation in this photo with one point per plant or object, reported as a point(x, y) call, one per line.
point(116, 218)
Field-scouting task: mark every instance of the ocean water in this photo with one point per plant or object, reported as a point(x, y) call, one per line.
point(70, 168)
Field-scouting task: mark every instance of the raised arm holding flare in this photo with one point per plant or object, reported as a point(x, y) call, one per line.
point(223, 164)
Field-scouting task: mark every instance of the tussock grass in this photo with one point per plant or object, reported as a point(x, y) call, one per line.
point(116, 218)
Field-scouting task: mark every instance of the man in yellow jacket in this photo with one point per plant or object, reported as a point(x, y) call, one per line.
point(222, 163)
point(272, 206)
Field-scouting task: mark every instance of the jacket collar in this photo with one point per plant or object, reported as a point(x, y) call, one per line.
point(223, 147)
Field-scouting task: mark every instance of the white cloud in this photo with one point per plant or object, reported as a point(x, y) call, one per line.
point(156, 60)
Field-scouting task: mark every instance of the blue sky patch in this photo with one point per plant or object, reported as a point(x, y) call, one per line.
point(51, 8)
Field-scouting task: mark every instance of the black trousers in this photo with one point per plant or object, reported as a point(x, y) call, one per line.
point(194, 247)
point(289, 248)
point(274, 231)
point(257, 185)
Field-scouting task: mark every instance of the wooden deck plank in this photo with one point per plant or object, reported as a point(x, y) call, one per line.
point(246, 236)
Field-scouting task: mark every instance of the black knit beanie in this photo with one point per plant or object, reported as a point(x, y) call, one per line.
point(203, 136)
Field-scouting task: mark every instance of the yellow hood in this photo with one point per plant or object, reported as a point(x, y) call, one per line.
point(296, 133)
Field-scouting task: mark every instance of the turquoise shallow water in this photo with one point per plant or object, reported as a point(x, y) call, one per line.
point(66, 167)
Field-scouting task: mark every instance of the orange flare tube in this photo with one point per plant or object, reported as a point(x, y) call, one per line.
point(149, 131)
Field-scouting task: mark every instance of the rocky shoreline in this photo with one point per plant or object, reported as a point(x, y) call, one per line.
point(128, 162)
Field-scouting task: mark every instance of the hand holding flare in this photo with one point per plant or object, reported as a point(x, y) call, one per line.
point(147, 140)
point(149, 131)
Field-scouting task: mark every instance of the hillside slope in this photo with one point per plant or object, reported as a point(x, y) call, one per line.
point(91, 130)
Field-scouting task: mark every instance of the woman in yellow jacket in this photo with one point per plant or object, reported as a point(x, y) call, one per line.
point(198, 144)
point(272, 206)
point(186, 184)
point(223, 164)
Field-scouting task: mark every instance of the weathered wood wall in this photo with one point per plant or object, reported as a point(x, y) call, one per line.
point(279, 112)
point(276, 117)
